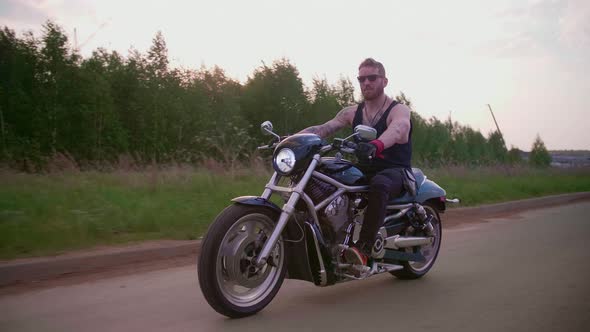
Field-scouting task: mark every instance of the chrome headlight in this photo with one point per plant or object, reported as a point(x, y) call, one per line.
point(284, 161)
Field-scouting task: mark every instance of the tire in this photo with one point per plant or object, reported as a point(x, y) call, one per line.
point(227, 278)
point(415, 270)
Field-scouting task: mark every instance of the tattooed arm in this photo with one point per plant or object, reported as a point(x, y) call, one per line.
point(398, 126)
point(342, 119)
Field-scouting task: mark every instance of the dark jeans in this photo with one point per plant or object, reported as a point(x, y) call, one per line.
point(383, 185)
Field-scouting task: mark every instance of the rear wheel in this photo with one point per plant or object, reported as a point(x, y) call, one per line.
point(415, 270)
point(228, 276)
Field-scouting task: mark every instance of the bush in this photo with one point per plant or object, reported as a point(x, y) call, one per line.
point(539, 157)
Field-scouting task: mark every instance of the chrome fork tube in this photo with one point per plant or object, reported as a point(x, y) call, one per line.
point(288, 209)
point(272, 182)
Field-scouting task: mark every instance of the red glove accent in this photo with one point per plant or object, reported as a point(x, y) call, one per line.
point(380, 147)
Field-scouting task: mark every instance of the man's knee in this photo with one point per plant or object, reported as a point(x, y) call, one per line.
point(389, 182)
point(381, 183)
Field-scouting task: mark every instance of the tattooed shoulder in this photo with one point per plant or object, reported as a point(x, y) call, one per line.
point(346, 114)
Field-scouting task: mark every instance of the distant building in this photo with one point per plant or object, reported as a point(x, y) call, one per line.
point(565, 159)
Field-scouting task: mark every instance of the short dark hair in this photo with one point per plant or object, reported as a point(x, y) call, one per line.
point(370, 62)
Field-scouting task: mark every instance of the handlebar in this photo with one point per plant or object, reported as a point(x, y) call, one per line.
point(350, 145)
point(272, 144)
point(338, 143)
point(267, 147)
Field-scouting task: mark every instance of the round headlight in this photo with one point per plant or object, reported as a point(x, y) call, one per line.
point(285, 161)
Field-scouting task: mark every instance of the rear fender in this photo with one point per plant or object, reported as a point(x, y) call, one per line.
point(429, 190)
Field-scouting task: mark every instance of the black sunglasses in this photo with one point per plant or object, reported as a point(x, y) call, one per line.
point(371, 78)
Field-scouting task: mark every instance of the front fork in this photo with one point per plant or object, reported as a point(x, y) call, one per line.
point(287, 210)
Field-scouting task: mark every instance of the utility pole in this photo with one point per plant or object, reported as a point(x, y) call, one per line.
point(498, 127)
point(78, 46)
point(92, 35)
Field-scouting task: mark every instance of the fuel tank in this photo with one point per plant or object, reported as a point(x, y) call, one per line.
point(343, 171)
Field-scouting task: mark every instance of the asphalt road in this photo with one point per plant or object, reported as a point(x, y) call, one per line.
point(525, 273)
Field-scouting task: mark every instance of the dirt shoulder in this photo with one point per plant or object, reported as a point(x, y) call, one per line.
point(99, 263)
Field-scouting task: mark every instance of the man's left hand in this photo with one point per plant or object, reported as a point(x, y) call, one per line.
point(368, 151)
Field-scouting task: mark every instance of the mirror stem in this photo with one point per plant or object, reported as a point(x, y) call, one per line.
point(275, 135)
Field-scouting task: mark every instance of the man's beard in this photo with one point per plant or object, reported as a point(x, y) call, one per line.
point(373, 93)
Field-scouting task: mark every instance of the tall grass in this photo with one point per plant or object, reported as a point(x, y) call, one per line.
point(45, 214)
point(50, 213)
point(482, 185)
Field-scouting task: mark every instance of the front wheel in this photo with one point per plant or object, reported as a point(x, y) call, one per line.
point(228, 276)
point(415, 270)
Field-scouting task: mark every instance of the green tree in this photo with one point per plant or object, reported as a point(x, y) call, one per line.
point(476, 146)
point(20, 115)
point(344, 92)
point(101, 125)
point(275, 93)
point(514, 156)
point(157, 120)
point(128, 90)
point(325, 103)
point(158, 56)
point(497, 152)
point(224, 131)
point(402, 99)
point(58, 86)
point(431, 141)
point(539, 156)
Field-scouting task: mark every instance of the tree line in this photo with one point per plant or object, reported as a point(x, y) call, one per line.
point(95, 110)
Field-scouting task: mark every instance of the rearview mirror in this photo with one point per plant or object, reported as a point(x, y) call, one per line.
point(365, 132)
point(266, 128)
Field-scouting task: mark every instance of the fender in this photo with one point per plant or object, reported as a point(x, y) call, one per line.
point(257, 201)
point(428, 190)
point(298, 263)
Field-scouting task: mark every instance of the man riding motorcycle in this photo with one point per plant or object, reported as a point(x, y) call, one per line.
point(386, 160)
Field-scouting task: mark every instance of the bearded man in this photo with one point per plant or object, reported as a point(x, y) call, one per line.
point(385, 159)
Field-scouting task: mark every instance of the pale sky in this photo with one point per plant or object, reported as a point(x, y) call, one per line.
point(528, 59)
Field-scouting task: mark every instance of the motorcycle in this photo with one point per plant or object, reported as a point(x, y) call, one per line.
point(254, 244)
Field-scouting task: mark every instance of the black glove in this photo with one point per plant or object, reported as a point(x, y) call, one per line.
point(365, 152)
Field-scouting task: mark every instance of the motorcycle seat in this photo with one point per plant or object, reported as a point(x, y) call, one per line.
point(407, 197)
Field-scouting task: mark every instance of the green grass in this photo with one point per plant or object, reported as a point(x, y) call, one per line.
point(476, 186)
point(51, 213)
point(46, 214)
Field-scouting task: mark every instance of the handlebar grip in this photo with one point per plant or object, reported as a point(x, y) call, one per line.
point(350, 145)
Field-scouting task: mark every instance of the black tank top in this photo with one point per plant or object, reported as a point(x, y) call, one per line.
point(398, 155)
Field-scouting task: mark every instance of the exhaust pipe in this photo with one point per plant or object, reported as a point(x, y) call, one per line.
point(397, 242)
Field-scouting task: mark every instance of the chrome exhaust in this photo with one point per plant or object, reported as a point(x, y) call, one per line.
point(397, 242)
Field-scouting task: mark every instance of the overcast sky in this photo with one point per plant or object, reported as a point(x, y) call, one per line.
point(530, 60)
